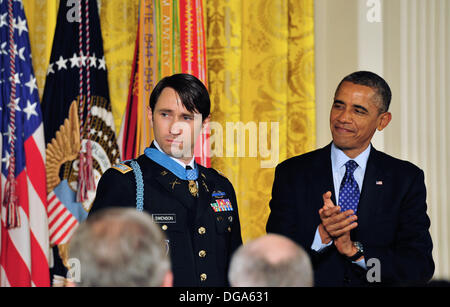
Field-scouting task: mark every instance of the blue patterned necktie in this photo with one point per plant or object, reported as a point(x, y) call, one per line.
point(349, 190)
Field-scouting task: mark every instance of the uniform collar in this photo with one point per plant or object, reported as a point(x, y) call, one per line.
point(191, 163)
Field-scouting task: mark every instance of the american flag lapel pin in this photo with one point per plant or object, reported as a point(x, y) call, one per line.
point(379, 182)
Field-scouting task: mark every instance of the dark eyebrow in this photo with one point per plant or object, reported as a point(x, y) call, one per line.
point(338, 101)
point(169, 111)
point(357, 106)
point(165, 111)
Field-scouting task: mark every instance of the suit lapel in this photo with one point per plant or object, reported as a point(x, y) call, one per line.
point(371, 194)
point(321, 179)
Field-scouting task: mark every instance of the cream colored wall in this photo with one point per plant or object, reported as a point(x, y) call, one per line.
point(336, 55)
point(410, 48)
point(345, 42)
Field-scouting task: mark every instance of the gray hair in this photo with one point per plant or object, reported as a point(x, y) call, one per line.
point(270, 261)
point(120, 247)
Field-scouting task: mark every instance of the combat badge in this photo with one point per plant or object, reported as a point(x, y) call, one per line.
point(218, 194)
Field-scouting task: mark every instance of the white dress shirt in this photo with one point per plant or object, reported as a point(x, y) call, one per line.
point(338, 160)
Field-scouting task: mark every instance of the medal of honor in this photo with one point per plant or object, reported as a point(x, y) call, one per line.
point(193, 189)
point(189, 173)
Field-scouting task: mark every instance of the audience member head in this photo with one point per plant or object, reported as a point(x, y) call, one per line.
point(121, 247)
point(270, 261)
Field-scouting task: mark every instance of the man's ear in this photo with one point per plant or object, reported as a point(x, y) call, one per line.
point(168, 280)
point(384, 121)
point(206, 122)
point(150, 116)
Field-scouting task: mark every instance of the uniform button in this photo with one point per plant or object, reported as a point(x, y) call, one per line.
point(203, 277)
point(202, 254)
point(229, 229)
point(202, 230)
point(164, 227)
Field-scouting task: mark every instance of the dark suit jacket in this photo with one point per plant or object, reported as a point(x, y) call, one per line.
point(201, 241)
point(392, 220)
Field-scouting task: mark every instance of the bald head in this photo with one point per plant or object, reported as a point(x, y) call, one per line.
point(274, 248)
point(270, 261)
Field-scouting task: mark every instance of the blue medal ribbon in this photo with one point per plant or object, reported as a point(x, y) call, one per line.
point(165, 161)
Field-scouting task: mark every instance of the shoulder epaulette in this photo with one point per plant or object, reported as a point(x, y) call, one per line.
point(220, 173)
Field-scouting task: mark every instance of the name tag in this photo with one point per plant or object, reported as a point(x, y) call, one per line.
point(164, 218)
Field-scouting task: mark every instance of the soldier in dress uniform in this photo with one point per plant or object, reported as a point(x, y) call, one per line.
point(195, 206)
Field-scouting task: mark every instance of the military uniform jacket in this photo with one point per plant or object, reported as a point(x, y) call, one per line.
point(201, 235)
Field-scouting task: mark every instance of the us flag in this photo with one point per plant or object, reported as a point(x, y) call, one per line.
point(24, 226)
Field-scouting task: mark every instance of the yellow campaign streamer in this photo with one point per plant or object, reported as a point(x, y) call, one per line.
point(146, 77)
point(165, 39)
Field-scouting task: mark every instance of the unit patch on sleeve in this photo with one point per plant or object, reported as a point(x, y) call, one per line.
point(123, 168)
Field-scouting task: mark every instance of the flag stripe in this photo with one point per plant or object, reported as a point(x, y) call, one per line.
point(40, 274)
point(36, 168)
point(58, 210)
point(20, 276)
point(52, 203)
point(22, 194)
point(4, 282)
point(62, 222)
point(55, 208)
point(39, 222)
point(20, 238)
point(68, 233)
point(61, 232)
point(57, 220)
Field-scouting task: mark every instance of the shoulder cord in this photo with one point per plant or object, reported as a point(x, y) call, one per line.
point(139, 185)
